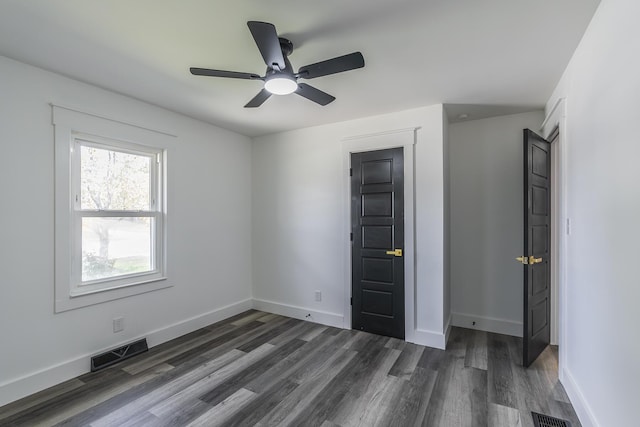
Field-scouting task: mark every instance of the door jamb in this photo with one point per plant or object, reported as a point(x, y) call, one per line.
point(557, 119)
point(405, 138)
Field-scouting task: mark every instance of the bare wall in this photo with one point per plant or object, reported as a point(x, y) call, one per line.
point(601, 88)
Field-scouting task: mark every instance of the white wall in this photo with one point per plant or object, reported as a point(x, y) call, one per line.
point(298, 218)
point(209, 240)
point(602, 90)
point(486, 221)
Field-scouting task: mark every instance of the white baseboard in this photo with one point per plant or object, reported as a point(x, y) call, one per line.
point(580, 405)
point(429, 338)
point(316, 316)
point(31, 383)
point(488, 324)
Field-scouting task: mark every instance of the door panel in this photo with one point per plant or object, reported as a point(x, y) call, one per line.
point(537, 221)
point(377, 204)
point(377, 237)
point(378, 270)
point(377, 224)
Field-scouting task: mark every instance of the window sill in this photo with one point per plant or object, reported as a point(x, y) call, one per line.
point(74, 300)
point(115, 284)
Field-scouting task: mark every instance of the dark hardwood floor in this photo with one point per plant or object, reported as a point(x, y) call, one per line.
point(262, 369)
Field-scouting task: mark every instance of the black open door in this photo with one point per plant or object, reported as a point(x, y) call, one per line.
point(377, 225)
point(537, 238)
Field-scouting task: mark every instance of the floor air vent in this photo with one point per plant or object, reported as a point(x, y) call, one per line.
point(546, 421)
point(116, 355)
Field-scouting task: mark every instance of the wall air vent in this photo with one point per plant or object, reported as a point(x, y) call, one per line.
point(119, 354)
point(546, 421)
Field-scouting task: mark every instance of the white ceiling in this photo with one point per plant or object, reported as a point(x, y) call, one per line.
point(493, 55)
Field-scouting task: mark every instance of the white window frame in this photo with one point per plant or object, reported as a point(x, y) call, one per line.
point(74, 129)
point(80, 287)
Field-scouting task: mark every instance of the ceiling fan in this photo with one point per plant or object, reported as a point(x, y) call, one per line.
point(279, 78)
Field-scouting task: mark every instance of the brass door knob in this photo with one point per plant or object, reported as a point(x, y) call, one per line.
point(395, 252)
point(530, 260)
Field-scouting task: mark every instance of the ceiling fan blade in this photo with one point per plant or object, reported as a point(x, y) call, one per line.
point(222, 73)
point(259, 99)
point(331, 66)
point(266, 38)
point(313, 94)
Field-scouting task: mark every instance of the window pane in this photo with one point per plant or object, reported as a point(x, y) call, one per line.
point(113, 180)
point(115, 246)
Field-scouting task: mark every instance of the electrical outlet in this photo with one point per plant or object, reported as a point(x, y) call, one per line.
point(318, 296)
point(118, 324)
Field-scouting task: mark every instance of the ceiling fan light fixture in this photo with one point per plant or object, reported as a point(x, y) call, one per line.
point(281, 84)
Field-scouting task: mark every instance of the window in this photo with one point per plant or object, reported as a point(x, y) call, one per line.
point(110, 209)
point(117, 225)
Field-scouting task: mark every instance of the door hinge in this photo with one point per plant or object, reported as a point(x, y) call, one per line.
point(350, 172)
point(351, 300)
point(351, 236)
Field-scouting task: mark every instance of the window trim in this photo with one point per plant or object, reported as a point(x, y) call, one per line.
point(70, 126)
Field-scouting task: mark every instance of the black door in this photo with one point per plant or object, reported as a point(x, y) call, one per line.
point(377, 225)
point(537, 237)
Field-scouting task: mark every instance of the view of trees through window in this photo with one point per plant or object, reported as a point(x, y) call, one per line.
point(115, 189)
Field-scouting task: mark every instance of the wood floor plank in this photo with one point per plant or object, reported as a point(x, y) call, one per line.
point(75, 401)
point(39, 399)
point(262, 369)
point(218, 415)
point(235, 318)
point(476, 353)
point(264, 403)
point(411, 407)
point(98, 397)
point(141, 419)
point(253, 330)
point(220, 344)
point(500, 372)
point(405, 364)
point(266, 317)
point(138, 365)
point(382, 404)
point(318, 359)
point(195, 390)
point(349, 386)
point(395, 343)
point(314, 332)
point(165, 391)
point(250, 373)
point(299, 330)
point(503, 416)
point(183, 415)
point(459, 395)
point(301, 363)
point(296, 402)
point(251, 317)
point(432, 358)
point(352, 413)
point(266, 336)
